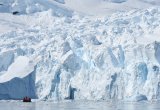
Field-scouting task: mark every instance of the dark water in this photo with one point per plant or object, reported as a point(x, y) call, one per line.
point(78, 105)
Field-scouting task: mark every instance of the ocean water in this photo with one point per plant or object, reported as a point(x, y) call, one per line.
point(78, 105)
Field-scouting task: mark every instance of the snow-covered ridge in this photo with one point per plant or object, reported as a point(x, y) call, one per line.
point(67, 7)
point(89, 58)
point(33, 6)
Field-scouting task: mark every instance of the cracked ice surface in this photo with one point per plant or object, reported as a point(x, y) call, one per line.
point(82, 57)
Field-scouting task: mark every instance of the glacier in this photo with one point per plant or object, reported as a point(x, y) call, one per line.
point(19, 80)
point(57, 57)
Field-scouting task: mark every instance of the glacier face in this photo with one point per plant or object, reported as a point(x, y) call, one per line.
point(82, 57)
point(19, 79)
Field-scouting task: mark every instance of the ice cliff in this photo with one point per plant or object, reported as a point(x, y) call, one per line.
point(19, 79)
point(81, 57)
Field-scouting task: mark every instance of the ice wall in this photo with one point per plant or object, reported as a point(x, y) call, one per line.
point(6, 59)
point(18, 88)
point(19, 80)
point(115, 57)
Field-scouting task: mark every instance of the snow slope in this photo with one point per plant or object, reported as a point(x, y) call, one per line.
point(81, 56)
point(107, 7)
point(66, 7)
point(20, 68)
point(32, 6)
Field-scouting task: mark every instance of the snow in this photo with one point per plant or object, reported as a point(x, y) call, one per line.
point(19, 80)
point(76, 54)
point(20, 68)
point(32, 6)
point(107, 7)
point(66, 7)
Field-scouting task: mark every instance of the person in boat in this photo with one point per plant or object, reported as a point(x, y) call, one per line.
point(26, 99)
